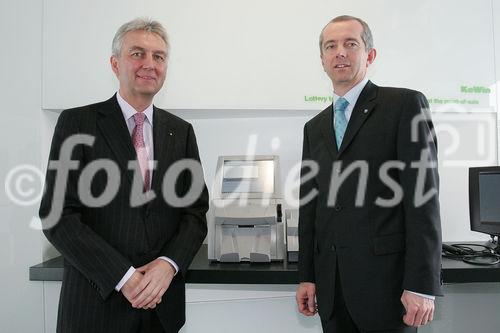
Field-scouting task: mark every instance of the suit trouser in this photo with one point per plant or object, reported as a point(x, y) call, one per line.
point(150, 323)
point(141, 321)
point(341, 321)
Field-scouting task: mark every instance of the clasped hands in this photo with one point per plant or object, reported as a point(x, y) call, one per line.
point(145, 288)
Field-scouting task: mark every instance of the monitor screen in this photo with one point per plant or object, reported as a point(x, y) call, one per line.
point(248, 176)
point(484, 199)
point(489, 197)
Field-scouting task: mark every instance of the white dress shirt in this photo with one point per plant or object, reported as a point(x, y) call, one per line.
point(351, 96)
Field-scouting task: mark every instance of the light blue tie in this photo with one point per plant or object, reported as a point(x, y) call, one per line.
point(340, 120)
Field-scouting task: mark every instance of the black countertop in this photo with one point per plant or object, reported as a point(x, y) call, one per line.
point(203, 271)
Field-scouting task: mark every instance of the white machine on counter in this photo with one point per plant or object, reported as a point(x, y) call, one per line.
point(245, 220)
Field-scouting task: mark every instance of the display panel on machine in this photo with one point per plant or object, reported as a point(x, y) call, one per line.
point(248, 176)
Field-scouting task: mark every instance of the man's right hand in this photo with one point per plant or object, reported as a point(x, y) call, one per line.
point(130, 289)
point(306, 298)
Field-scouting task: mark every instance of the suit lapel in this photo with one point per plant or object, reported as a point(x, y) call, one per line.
point(362, 110)
point(115, 132)
point(326, 124)
point(163, 138)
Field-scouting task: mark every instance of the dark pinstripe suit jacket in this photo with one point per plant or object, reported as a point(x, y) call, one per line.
point(379, 251)
point(100, 244)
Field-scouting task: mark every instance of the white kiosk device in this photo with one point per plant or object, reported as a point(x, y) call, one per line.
point(245, 220)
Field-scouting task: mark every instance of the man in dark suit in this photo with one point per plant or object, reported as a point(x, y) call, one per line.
point(125, 254)
point(369, 225)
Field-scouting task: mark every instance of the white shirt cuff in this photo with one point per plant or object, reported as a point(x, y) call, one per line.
point(125, 278)
point(171, 262)
point(423, 295)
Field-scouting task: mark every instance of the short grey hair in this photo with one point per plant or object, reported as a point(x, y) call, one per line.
point(145, 24)
point(366, 35)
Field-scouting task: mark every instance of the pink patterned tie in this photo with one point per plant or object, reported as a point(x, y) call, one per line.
point(140, 148)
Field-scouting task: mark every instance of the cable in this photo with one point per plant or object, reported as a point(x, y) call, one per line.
point(466, 252)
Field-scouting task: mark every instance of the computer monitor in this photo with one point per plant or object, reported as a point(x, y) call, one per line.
point(484, 200)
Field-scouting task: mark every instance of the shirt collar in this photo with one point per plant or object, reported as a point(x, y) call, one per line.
point(352, 95)
point(129, 111)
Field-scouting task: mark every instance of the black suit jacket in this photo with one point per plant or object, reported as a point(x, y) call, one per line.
point(380, 251)
point(99, 244)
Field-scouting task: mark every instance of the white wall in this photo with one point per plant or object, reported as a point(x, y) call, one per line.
point(21, 308)
point(235, 54)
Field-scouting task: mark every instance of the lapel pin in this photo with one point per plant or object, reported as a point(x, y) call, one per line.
point(365, 111)
point(170, 133)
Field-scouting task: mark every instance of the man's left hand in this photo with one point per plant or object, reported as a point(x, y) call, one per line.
point(157, 277)
point(419, 310)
